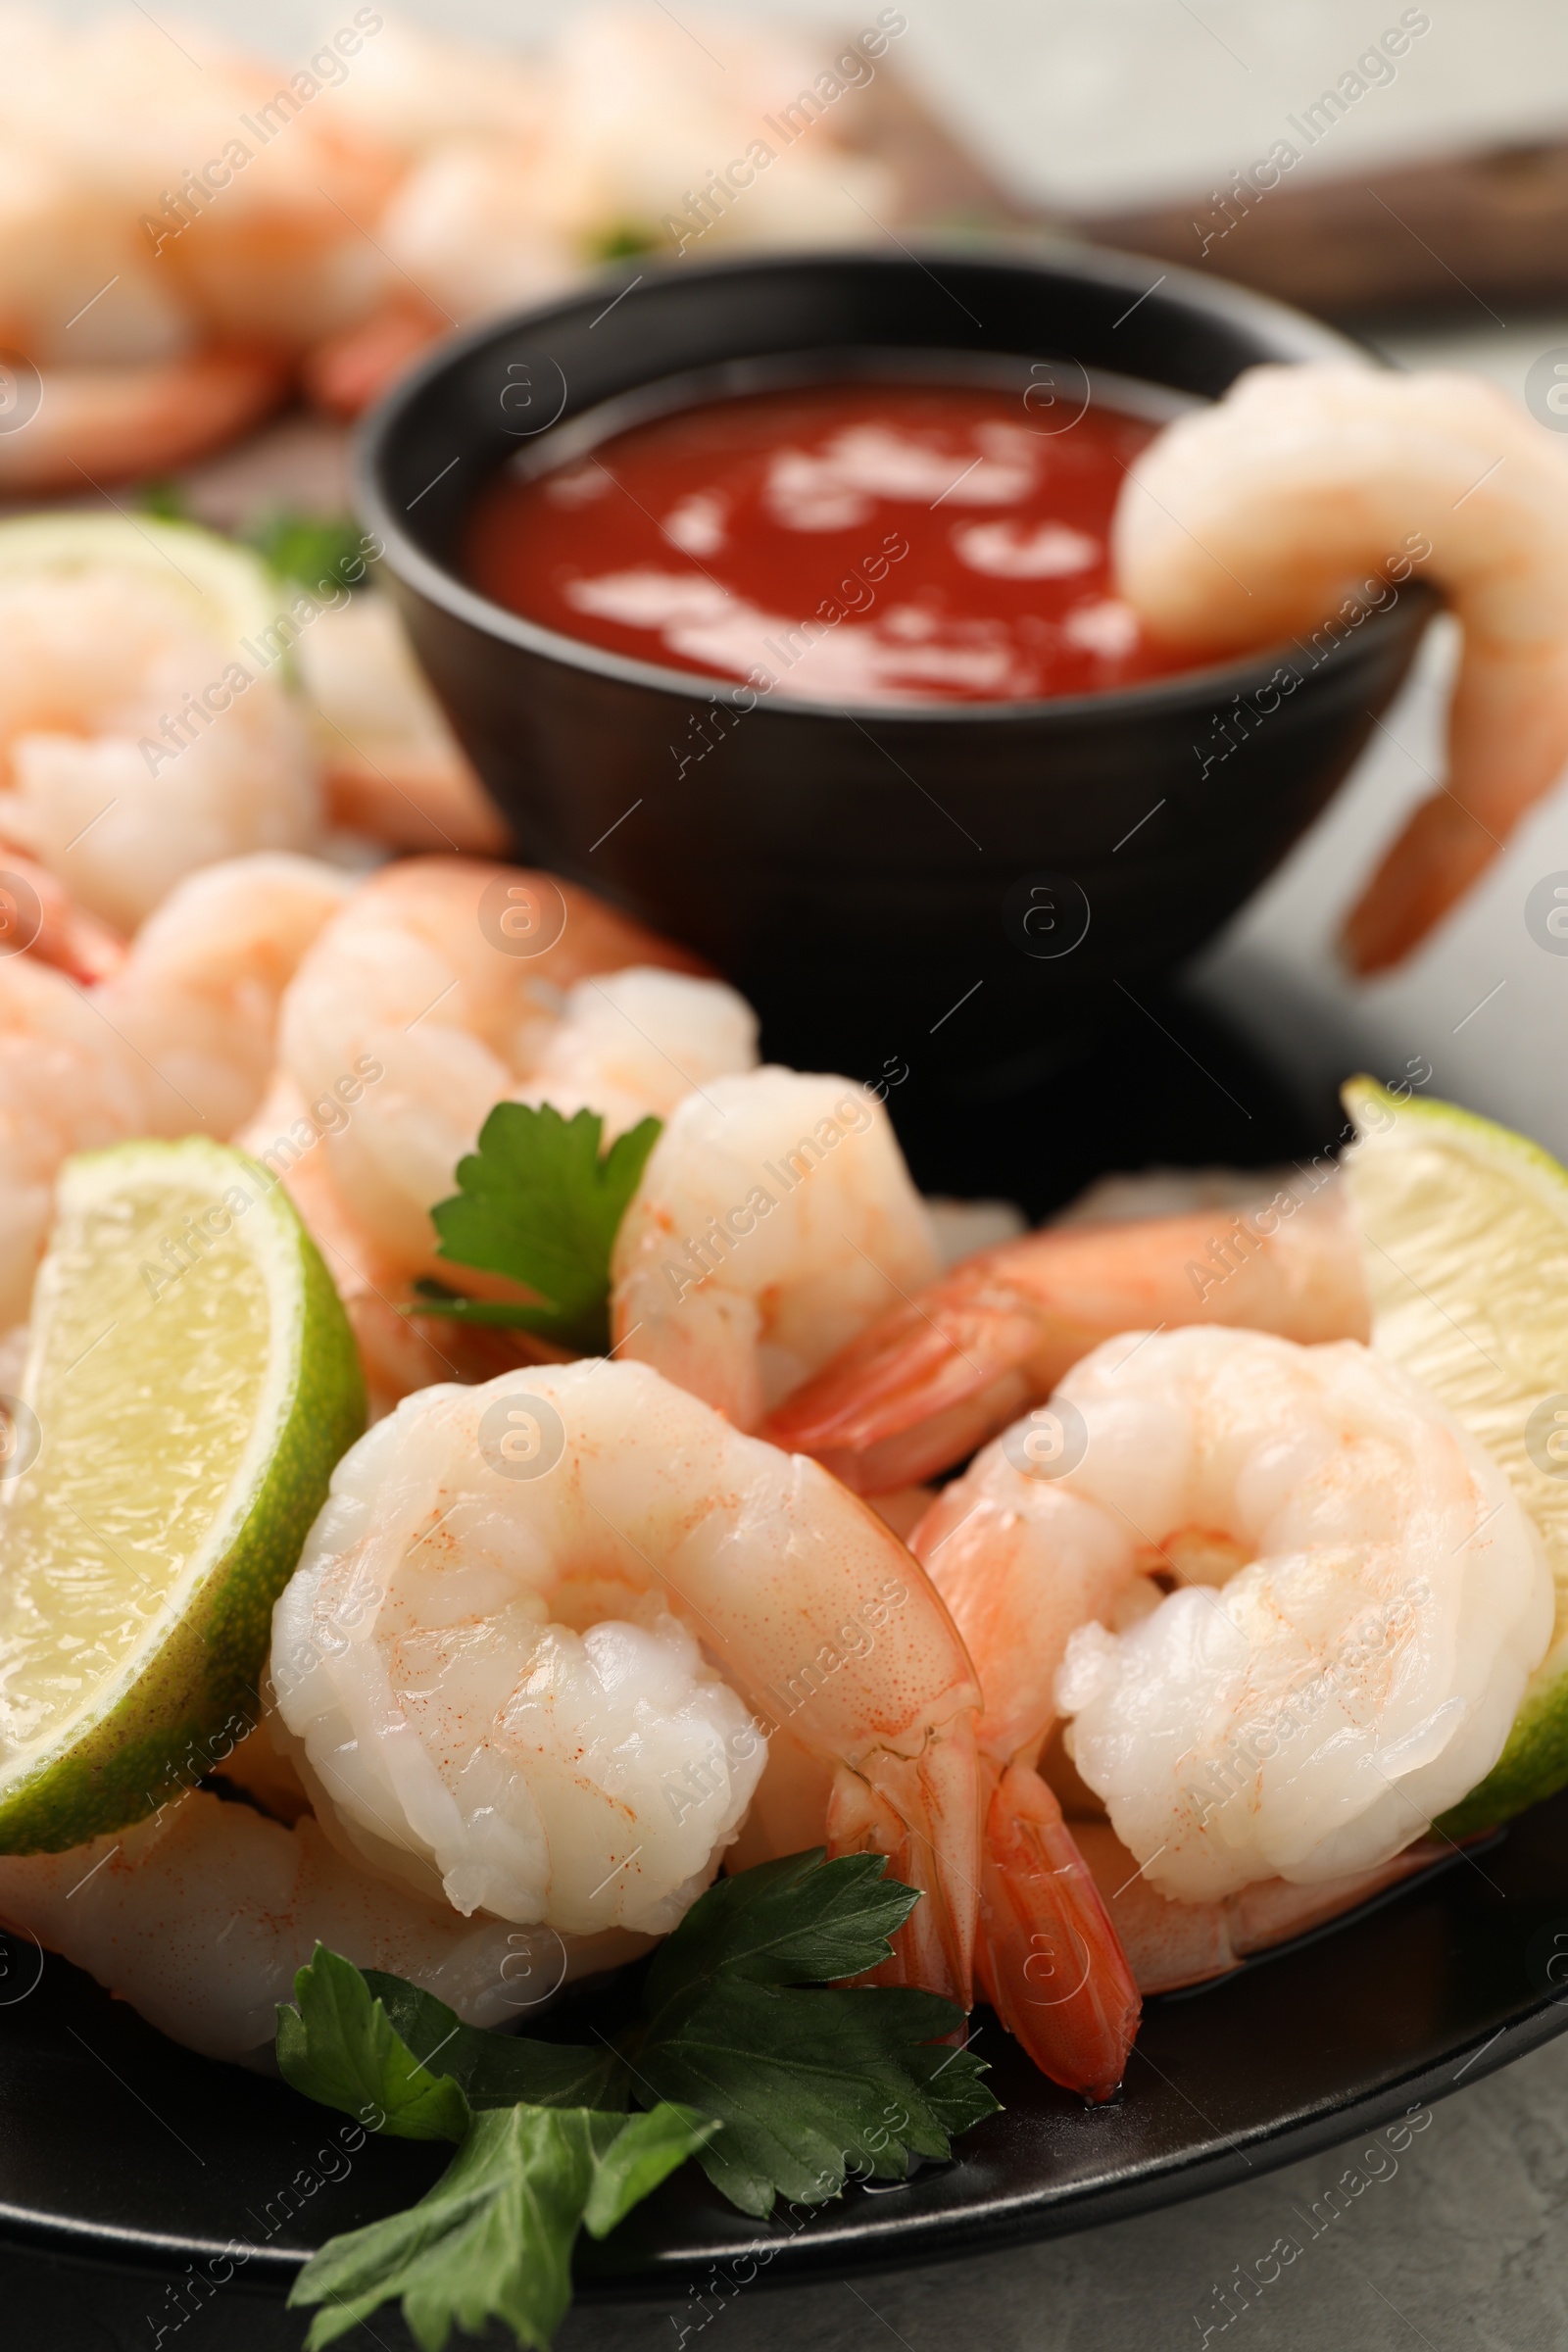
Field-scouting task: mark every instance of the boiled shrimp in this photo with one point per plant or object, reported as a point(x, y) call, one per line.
point(1249, 521)
point(474, 984)
point(110, 424)
point(544, 1632)
point(1169, 1944)
point(930, 1381)
point(1359, 1599)
point(160, 258)
point(774, 1220)
point(517, 181)
point(95, 667)
point(39, 918)
point(180, 1038)
point(200, 1917)
point(391, 766)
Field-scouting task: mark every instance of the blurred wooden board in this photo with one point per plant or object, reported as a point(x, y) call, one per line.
point(1481, 231)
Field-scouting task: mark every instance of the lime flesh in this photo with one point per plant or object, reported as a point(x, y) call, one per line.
point(190, 1383)
point(1465, 1231)
point(224, 589)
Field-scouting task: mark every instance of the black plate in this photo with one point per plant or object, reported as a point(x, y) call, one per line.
point(115, 2146)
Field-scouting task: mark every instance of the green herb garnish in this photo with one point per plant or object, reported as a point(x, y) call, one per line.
point(317, 551)
point(744, 2056)
point(537, 1203)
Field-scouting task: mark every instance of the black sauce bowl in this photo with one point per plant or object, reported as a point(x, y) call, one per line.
point(958, 887)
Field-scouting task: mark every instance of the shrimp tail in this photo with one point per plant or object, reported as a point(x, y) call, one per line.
point(1048, 1958)
point(932, 1380)
point(923, 1813)
point(1507, 741)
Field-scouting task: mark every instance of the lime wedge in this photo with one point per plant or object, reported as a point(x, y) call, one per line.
point(1465, 1232)
point(190, 1383)
point(225, 589)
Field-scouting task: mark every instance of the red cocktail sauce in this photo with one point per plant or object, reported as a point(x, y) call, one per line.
point(843, 543)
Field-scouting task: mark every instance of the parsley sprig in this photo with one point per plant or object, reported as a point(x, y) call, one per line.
point(744, 2055)
point(539, 1203)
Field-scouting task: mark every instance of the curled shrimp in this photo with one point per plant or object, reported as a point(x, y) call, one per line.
point(1356, 1600)
point(931, 1380)
point(105, 775)
point(544, 1632)
point(180, 1037)
point(160, 261)
point(775, 1219)
point(1359, 1600)
point(201, 1917)
point(1362, 1599)
point(469, 985)
point(1250, 520)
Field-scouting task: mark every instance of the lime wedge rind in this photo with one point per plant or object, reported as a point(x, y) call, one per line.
point(162, 1584)
point(1467, 1232)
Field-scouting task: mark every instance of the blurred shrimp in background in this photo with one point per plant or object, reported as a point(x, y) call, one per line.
point(634, 132)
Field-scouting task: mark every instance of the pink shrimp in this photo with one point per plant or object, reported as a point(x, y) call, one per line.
point(927, 1383)
point(111, 423)
point(1171, 1944)
point(1248, 521)
point(1359, 1600)
point(39, 918)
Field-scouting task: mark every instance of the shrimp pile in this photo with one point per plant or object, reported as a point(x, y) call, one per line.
point(1247, 522)
point(544, 1631)
point(180, 1037)
point(187, 227)
point(165, 249)
point(518, 178)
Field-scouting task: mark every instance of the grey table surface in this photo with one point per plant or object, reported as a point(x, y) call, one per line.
point(1461, 2243)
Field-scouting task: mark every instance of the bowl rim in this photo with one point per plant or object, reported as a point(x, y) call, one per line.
point(1195, 687)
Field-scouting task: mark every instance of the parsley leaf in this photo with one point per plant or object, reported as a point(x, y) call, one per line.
point(493, 2238)
point(745, 2057)
point(538, 1204)
point(351, 2043)
point(804, 2083)
point(496, 2070)
point(339, 2046)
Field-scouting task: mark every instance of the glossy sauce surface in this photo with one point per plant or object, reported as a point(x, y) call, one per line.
point(859, 543)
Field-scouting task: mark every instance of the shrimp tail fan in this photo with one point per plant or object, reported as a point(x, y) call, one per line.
point(1048, 1958)
point(923, 1812)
